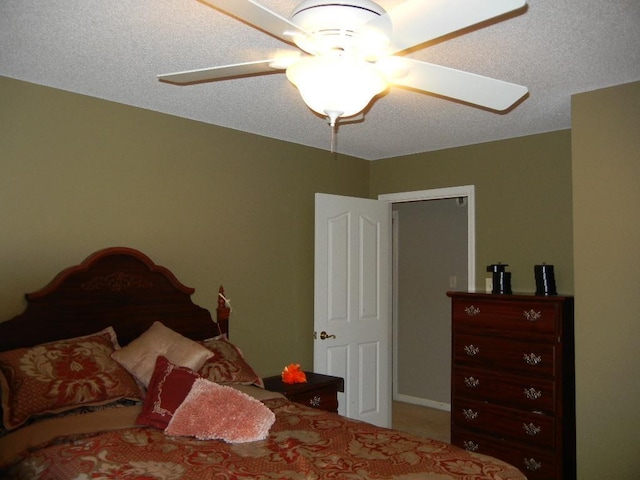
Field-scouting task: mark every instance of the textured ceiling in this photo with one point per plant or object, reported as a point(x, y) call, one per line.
point(113, 50)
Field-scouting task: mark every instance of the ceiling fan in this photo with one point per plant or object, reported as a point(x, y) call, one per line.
point(351, 50)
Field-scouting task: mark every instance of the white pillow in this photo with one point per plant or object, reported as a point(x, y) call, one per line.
point(139, 357)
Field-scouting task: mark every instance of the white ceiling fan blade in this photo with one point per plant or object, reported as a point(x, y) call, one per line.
point(260, 17)
point(418, 21)
point(467, 87)
point(221, 73)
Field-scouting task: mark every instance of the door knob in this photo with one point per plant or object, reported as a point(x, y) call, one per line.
point(324, 335)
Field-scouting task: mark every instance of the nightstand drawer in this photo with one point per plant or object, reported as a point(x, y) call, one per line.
point(324, 398)
point(319, 391)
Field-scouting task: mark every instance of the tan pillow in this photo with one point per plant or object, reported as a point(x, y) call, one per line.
point(139, 357)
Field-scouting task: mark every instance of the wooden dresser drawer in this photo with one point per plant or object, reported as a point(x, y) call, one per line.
point(514, 317)
point(505, 354)
point(535, 463)
point(529, 393)
point(531, 428)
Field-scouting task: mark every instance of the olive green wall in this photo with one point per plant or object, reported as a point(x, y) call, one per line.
point(214, 205)
point(523, 200)
point(218, 206)
point(606, 179)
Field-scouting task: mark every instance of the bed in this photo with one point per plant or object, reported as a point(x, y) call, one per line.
point(94, 317)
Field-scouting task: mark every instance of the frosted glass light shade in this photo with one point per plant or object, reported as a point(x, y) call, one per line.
point(332, 85)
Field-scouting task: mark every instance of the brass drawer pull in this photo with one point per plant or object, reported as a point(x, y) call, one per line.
point(472, 310)
point(471, 382)
point(469, 414)
point(531, 429)
point(532, 359)
point(470, 446)
point(315, 401)
point(532, 464)
point(532, 393)
point(532, 315)
point(471, 350)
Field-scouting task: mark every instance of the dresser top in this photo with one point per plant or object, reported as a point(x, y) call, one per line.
point(523, 297)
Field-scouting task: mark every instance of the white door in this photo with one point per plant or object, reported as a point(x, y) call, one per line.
point(353, 302)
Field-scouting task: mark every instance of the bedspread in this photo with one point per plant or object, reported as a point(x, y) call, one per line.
point(303, 443)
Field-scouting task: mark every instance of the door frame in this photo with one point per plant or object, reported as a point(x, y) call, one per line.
point(465, 191)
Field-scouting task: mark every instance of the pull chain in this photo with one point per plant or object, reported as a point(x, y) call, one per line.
point(333, 138)
point(333, 116)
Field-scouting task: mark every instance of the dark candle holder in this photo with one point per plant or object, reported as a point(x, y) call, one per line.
point(501, 278)
point(545, 279)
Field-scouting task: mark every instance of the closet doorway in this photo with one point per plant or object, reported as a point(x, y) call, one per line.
point(433, 252)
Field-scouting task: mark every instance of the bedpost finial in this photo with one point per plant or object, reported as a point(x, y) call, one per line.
point(222, 300)
point(223, 311)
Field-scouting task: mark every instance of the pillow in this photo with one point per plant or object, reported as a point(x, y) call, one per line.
point(227, 365)
point(139, 357)
point(211, 411)
point(62, 375)
point(168, 387)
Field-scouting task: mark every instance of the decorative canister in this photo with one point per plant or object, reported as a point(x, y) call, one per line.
point(501, 278)
point(545, 279)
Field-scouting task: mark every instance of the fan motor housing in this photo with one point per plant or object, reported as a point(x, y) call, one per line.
point(340, 25)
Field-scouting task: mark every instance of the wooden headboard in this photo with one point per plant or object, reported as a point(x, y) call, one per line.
point(119, 287)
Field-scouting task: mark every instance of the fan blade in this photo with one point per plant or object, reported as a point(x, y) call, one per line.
point(467, 87)
point(260, 17)
point(416, 21)
point(220, 73)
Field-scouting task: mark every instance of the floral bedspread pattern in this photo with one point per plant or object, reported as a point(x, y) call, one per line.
point(303, 444)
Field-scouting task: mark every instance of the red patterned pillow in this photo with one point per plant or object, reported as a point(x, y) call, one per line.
point(227, 365)
point(168, 387)
point(62, 375)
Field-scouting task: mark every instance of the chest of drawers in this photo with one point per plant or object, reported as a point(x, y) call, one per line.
point(513, 382)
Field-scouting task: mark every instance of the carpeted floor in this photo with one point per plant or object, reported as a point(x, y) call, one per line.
point(423, 421)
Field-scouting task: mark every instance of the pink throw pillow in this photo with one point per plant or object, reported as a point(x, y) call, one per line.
point(212, 411)
point(168, 387)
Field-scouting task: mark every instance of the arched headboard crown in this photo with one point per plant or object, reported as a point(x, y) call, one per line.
point(119, 287)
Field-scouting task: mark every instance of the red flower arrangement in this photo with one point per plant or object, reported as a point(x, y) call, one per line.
point(293, 374)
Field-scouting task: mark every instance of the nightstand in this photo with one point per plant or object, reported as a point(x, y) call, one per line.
point(319, 391)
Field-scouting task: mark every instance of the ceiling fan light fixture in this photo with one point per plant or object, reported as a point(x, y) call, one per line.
point(356, 50)
point(330, 84)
